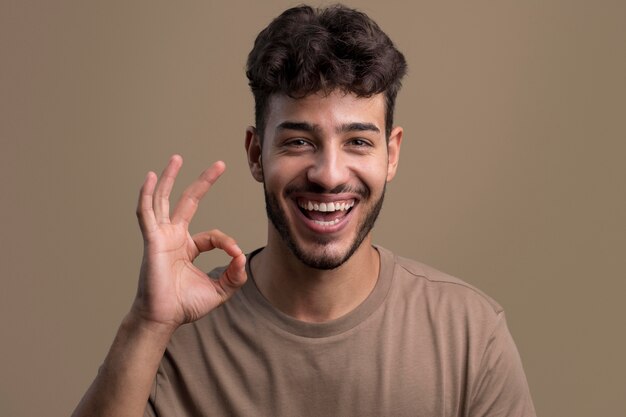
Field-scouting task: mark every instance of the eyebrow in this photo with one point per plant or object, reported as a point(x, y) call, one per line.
point(301, 126)
point(348, 127)
point(358, 127)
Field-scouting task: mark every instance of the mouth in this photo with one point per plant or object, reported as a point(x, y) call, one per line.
point(325, 214)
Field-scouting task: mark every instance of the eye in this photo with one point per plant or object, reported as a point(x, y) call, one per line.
point(297, 145)
point(298, 142)
point(359, 143)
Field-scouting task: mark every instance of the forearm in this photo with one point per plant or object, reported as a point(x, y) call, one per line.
point(123, 383)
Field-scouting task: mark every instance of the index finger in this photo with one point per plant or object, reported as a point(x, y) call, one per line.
point(190, 199)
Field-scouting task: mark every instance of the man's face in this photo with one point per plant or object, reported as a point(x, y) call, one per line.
point(324, 164)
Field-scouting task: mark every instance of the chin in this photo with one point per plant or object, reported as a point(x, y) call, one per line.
point(323, 258)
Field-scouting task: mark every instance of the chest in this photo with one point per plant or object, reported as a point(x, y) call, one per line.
point(377, 370)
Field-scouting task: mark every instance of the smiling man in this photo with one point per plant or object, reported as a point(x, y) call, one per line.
point(331, 154)
point(324, 161)
point(319, 321)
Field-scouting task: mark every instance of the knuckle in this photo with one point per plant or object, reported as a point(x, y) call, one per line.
point(188, 195)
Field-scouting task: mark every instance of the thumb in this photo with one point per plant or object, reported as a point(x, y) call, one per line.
point(233, 277)
point(235, 274)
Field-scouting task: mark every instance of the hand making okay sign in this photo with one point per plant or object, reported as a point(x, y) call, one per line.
point(171, 290)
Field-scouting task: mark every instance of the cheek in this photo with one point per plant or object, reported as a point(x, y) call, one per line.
point(375, 174)
point(280, 173)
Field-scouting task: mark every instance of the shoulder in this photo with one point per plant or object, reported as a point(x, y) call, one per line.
point(441, 294)
point(443, 282)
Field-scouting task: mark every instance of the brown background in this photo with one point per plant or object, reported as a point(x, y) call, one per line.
point(512, 172)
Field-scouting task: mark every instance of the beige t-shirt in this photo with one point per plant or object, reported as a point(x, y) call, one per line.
point(422, 344)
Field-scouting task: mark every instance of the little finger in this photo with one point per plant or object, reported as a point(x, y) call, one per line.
point(145, 212)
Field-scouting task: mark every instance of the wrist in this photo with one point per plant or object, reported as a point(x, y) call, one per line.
point(138, 324)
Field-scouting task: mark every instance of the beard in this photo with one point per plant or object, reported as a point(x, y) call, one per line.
point(326, 260)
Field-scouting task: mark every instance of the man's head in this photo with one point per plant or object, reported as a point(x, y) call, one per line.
point(324, 83)
point(305, 51)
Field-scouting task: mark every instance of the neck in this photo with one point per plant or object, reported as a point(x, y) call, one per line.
point(315, 295)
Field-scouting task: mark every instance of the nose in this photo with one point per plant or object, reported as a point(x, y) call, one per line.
point(329, 169)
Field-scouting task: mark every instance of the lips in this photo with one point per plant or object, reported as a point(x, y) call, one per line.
point(325, 216)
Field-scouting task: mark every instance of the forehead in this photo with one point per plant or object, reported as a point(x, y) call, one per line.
point(328, 111)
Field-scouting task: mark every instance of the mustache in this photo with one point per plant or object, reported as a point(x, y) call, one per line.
point(310, 187)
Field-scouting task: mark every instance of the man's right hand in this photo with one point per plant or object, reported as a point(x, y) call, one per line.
point(171, 290)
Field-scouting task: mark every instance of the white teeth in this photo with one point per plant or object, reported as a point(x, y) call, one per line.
point(330, 223)
point(326, 207)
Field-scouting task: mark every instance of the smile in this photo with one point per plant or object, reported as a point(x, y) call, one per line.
point(325, 213)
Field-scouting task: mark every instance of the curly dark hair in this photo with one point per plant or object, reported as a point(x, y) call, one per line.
point(304, 51)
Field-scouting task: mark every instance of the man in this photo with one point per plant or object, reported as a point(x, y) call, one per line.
point(324, 323)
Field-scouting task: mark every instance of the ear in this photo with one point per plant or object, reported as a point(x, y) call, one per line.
point(393, 151)
point(253, 149)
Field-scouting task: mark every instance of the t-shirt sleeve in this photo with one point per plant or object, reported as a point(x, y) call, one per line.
point(500, 388)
